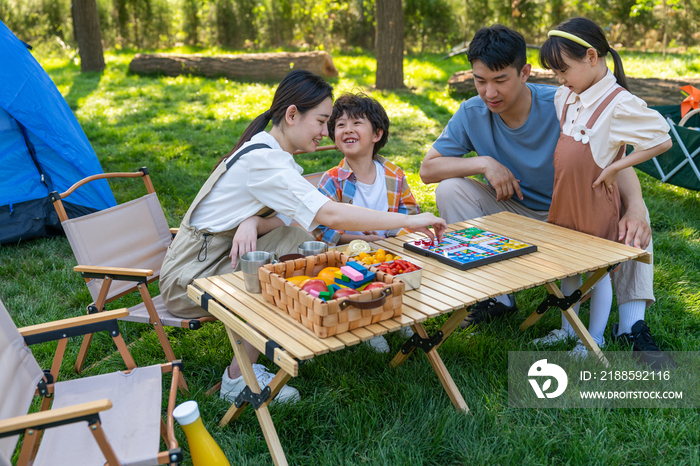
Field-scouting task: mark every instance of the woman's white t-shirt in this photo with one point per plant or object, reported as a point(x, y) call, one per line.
point(261, 178)
point(372, 196)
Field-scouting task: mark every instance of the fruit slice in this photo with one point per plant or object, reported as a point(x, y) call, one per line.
point(298, 280)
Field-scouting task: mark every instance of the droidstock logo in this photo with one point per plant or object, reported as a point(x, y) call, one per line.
point(547, 372)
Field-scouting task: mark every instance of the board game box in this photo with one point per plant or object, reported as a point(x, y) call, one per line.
point(472, 247)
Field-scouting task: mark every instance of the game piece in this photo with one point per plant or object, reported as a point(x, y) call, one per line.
point(472, 247)
point(326, 294)
point(333, 288)
point(357, 266)
point(352, 274)
point(314, 293)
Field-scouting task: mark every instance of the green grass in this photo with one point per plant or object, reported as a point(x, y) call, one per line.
point(354, 408)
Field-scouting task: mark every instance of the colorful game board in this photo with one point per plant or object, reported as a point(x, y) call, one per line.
point(465, 249)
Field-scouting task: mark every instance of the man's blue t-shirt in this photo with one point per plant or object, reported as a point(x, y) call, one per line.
point(526, 151)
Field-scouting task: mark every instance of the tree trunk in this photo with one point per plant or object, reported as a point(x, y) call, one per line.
point(255, 66)
point(87, 33)
point(389, 44)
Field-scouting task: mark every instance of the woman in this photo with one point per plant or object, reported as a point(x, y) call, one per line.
point(233, 213)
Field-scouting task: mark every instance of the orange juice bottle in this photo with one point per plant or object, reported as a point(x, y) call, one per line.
point(203, 449)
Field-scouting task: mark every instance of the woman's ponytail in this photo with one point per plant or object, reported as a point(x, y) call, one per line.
point(255, 127)
point(301, 88)
point(619, 70)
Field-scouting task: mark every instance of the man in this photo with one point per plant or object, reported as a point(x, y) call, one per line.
point(513, 128)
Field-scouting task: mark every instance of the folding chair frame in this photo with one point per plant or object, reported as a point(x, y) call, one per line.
point(140, 277)
point(689, 158)
point(33, 425)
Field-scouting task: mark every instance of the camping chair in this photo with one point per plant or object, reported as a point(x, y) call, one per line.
point(122, 410)
point(119, 251)
point(679, 165)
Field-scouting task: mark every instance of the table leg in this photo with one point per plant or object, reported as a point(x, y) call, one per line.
point(573, 319)
point(448, 327)
point(436, 361)
point(276, 384)
point(585, 288)
point(263, 413)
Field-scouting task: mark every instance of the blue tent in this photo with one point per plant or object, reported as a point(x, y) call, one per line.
point(42, 149)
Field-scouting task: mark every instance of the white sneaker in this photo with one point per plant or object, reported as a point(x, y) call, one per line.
point(555, 336)
point(580, 351)
point(230, 388)
point(379, 344)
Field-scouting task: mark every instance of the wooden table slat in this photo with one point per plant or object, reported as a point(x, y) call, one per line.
point(547, 246)
point(445, 289)
point(258, 316)
point(241, 308)
point(236, 279)
point(423, 307)
point(489, 286)
point(577, 244)
point(600, 243)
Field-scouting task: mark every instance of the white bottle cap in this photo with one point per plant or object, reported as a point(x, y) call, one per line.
point(186, 413)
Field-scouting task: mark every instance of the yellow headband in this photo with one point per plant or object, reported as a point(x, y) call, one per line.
point(567, 35)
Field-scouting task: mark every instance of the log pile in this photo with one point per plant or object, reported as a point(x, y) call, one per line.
point(253, 66)
point(652, 90)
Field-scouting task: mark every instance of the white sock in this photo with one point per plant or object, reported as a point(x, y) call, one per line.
point(630, 313)
point(505, 299)
point(568, 286)
point(601, 301)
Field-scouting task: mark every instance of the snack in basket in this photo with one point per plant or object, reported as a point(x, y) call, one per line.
point(407, 272)
point(397, 267)
point(357, 246)
point(324, 313)
point(377, 257)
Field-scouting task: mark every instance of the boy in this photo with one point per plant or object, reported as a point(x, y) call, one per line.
point(359, 126)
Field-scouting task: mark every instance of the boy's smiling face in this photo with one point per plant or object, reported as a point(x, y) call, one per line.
point(355, 137)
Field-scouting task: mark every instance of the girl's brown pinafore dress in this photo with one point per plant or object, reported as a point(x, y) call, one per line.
point(575, 204)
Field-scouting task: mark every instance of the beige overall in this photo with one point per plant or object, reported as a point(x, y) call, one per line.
point(575, 204)
point(199, 253)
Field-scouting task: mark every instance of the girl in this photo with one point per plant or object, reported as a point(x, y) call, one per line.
point(233, 213)
point(598, 117)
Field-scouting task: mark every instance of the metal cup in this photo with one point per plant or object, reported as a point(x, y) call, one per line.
point(311, 248)
point(250, 263)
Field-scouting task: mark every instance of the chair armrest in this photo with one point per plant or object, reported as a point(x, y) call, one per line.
point(54, 417)
point(687, 116)
point(173, 231)
point(73, 322)
point(113, 270)
point(176, 368)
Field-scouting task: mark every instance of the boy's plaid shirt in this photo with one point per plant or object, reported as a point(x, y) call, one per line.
point(338, 184)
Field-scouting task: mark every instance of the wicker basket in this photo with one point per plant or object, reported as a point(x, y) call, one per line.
point(335, 316)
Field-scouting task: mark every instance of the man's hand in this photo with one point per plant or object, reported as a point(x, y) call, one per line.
point(245, 239)
point(634, 229)
point(502, 179)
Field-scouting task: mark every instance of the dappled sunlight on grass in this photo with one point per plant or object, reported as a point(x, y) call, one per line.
point(354, 409)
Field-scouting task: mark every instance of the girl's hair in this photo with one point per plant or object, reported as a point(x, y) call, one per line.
point(302, 88)
point(553, 49)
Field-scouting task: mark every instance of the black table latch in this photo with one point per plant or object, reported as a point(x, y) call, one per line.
point(562, 303)
point(426, 344)
point(255, 399)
